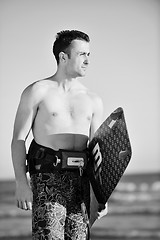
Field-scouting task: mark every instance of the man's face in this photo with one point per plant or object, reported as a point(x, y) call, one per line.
point(78, 59)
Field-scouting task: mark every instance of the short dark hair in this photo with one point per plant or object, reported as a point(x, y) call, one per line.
point(64, 39)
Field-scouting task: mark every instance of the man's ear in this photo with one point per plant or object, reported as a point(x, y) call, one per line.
point(63, 57)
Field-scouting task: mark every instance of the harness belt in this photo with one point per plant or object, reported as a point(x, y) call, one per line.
point(44, 159)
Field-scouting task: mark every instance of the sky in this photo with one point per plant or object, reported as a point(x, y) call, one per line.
point(124, 64)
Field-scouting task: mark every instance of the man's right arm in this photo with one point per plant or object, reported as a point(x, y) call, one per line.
point(26, 113)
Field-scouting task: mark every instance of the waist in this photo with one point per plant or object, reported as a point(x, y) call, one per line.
point(66, 141)
point(44, 159)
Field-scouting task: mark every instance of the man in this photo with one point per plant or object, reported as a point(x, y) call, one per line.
point(63, 115)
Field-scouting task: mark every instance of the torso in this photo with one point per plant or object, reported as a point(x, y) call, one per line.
point(63, 118)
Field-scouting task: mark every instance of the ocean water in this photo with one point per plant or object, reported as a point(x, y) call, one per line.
point(134, 211)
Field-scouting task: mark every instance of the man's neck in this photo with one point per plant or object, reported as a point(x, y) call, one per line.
point(68, 84)
point(65, 82)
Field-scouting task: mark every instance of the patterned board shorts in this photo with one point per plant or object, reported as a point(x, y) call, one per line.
point(56, 213)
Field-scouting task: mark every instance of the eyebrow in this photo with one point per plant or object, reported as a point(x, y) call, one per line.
point(84, 53)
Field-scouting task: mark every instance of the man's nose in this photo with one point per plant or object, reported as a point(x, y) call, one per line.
point(86, 61)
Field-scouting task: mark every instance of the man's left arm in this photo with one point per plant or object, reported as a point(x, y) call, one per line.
point(97, 120)
point(97, 115)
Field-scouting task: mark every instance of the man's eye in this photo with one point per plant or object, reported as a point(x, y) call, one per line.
point(84, 54)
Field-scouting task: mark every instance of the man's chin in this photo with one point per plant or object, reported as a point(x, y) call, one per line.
point(82, 74)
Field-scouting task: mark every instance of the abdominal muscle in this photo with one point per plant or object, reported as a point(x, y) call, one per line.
point(67, 141)
point(57, 135)
point(63, 130)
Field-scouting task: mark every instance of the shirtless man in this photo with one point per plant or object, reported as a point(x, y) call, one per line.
point(62, 114)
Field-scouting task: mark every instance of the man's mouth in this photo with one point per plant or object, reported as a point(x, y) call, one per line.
point(84, 67)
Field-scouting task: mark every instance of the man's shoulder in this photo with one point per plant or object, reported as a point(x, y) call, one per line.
point(94, 96)
point(43, 84)
point(96, 100)
point(39, 87)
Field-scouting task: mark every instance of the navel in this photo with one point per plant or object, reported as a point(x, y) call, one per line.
point(71, 111)
point(89, 118)
point(54, 114)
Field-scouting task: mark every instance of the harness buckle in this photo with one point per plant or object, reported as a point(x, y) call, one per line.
point(75, 161)
point(58, 160)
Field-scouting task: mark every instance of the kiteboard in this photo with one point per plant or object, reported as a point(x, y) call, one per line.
point(110, 153)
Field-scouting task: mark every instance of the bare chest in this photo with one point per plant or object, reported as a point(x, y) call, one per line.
point(74, 106)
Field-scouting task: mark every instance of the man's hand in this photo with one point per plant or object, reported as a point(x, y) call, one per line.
point(102, 210)
point(24, 196)
point(97, 210)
